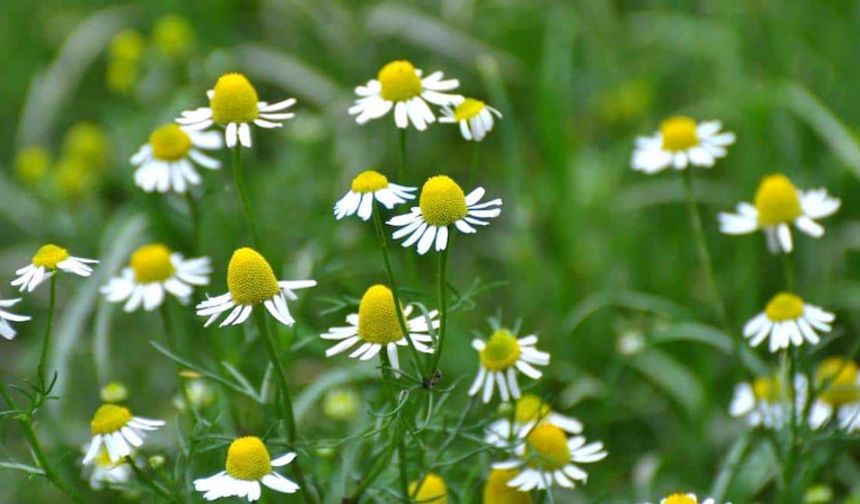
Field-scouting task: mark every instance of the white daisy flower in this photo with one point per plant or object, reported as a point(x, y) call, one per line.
point(474, 116)
point(685, 498)
point(441, 204)
point(838, 386)
point(528, 410)
point(788, 321)
point(399, 86)
point(368, 186)
point(251, 281)
point(6, 329)
point(48, 259)
point(233, 104)
point(501, 356)
point(167, 161)
point(104, 473)
point(497, 490)
point(153, 270)
point(115, 429)
point(681, 142)
point(432, 490)
point(548, 457)
point(375, 326)
point(778, 204)
point(248, 465)
point(764, 401)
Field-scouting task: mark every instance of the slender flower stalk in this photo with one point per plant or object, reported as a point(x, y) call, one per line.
point(388, 382)
point(46, 341)
point(401, 173)
point(242, 190)
point(443, 313)
point(790, 360)
point(194, 212)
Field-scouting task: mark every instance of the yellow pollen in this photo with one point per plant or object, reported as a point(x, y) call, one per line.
point(431, 490)
point(468, 109)
point(768, 389)
point(679, 498)
point(679, 133)
point(399, 81)
point(777, 201)
point(784, 306)
point(234, 100)
point(48, 256)
point(109, 418)
point(103, 459)
point(530, 408)
point(369, 181)
point(497, 491)
point(169, 143)
point(250, 278)
point(442, 201)
point(501, 351)
point(838, 379)
point(548, 448)
point(151, 263)
point(377, 320)
point(248, 459)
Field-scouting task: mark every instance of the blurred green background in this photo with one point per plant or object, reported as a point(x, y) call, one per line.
point(597, 259)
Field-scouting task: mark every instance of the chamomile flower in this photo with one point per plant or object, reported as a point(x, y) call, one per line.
point(788, 320)
point(764, 402)
point(501, 357)
point(104, 473)
point(528, 411)
point(248, 465)
point(441, 204)
point(167, 161)
point(115, 429)
point(779, 204)
point(681, 142)
point(431, 490)
point(367, 186)
point(838, 385)
point(497, 491)
point(153, 270)
point(400, 86)
point(547, 457)
point(6, 329)
point(474, 117)
point(376, 326)
point(233, 104)
point(684, 498)
point(250, 282)
point(48, 259)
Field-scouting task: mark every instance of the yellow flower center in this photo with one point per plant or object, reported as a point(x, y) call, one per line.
point(430, 491)
point(170, 143)
point(548, 448)
point(529, 408)
point(248, 459)
point(151, 263)
point(369, 181)
point(468, 109)
point(838, 379)
point(234, 100)
point(679, 133)
point(103, 459)
point(442, 201)
point(768, 389)
point(400, 81)
point(49, 255)
point(784, 306)
point(109, 418)
point(250, 278)
point(679, 498)
point(777, 201)
point(501, 351)
point(377, 320)
point(497, 491)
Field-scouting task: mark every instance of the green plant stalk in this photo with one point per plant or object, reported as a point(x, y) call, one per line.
point(380, 466)
point(37, 451)
point(46, 341)
point(401, 172)
point(791, 368)
point(171, 345)
point(443, 310)
point(242, 190)
point(389, 383)
point(194, 211)
point(150, 482)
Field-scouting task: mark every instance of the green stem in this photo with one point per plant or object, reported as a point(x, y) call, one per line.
point(242, 190)
point(474, 169)
point(150, 481)
point(36, 448)
point(389, 383)
point(46, 341)
point(379, 468)
point(791, 369)
point(194, 211)
point(401, 173)
point(443, 311)
point(171, 345)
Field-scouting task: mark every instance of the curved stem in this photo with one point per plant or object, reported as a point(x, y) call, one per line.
point(242, 190)
point(443, 311)
point(46, 341)
point(150, 482)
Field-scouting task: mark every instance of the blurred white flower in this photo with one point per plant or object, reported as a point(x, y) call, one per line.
point(366, 187)
point(764, 401)
point(528, 411)
point(838, 394)
point(788, 320)
point(167, 161)
point(6, 329)
point(115, 429)
point(681, 142)
point(500, 357)
point(474, 117)
point(48, 259)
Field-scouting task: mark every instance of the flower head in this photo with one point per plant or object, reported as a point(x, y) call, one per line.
point(118, 431)
point(368, 186)
point(173, 35)
point(400, 86)
point(248, 464)
point(779, 204)
point(497, 491)
point(250, 282)
point(441, 204)
point(103, 472)
point(837, 381)
point(167, 161)
point(684, 498)
point(6, 329)
point(788, 320)
point(501, 356)
point(681, 142)
point(529, 410)
point(765, 401)
point(47, 260)
point(431, 490)
point(474, 117)
point(234, 105)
